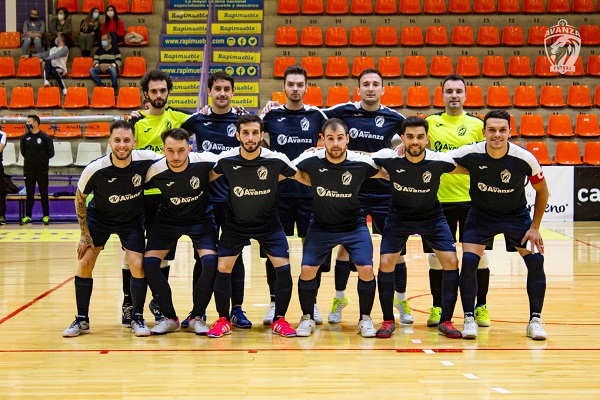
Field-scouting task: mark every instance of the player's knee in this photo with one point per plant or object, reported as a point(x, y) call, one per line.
point(485, 261)
point(164, 263)
point(434, 262)
point(85, 268)
point(387, 263)
point(308, 273)
point(365, 272)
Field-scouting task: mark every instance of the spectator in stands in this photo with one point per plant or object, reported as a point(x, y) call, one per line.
point(90, 30)
point(61, 23)
point(107, 60)
point(37, 149)
point(55, 60)
point(33, 32)
point(113, 26)
point(2, 185)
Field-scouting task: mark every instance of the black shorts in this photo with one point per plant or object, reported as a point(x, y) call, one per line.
point(130, 233)
point(294, 211)
point(377, 205)
point(165, 236)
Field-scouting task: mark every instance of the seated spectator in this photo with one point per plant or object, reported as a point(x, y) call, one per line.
point(61, 23)
point(33, 32)
point(107, 60)
point(55, 60)
point(89, 32)
point(113, 26)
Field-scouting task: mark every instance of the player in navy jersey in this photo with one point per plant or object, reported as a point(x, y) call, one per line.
point(182, 178)
point(215, 132)
point(499, 171)
point(335, 176)
point(372, 127)
point(293, 128)
point(415, 208)
point(116, 181)
point(253, 174)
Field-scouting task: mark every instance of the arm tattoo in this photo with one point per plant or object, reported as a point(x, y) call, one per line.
point(81, 210)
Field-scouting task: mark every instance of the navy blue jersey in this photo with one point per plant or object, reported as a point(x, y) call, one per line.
point(370, 131)
point(184, 194)
point(118, 192)
point(498, 185)
point(214, 133)
point(415, 185)
point(335, 188)
point(291, 132)
point(252, 187)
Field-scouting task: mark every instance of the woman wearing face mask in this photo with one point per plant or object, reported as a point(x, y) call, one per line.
point(113, 26)
point(89, 32)
point(61, 23)
point(55, 60)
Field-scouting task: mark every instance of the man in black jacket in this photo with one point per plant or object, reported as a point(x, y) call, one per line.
point(37, 149)
point(2, 185)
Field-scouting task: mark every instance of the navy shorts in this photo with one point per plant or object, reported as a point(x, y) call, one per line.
point(273, 241)
point(165, 236)
point(377, 205)
point(130, 233)
point(480, 228)
point(434, 233)
point(318, 243)
point(294, 211)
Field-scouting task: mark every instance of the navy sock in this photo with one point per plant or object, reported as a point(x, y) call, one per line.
point(307, 291)
point(385, 282)
point(536, 283)
point(483, 285)
point(197, 271)
point(366, 296)
point(468, 282)
point(342, 274)
point(283, 290)
point(238, 282)
point(159, 285)
point(400, 277)
point(83, 294)
point(203, 289)
point(139, 288)
point(270, 269)
point(449, 294)
point(126, 275)
point(318, 278)
point(223, 293)
point(435, 286)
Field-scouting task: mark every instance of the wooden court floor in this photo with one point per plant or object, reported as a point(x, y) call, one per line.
point(37, 302)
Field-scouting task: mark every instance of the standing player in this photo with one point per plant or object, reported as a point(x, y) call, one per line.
point(416, 209)
point(215, 133)
point(184, 210)
point(498, 172)
point(293, 128)
point(336, 175)
point(116, 180)
point(253, 174)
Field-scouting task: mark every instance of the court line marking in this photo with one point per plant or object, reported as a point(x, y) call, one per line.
point(501, 390)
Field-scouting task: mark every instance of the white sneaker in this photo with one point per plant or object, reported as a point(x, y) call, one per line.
point(198, 325)
point(535, 329)
point(366, 327)
point(46, 83)
point(469, 328)
point(139, 327)
point(77, 327)
point(268, 319)
point(165, 325)
point(403, 308)
point(306, 327)
point(317, 315)
point(335, 316)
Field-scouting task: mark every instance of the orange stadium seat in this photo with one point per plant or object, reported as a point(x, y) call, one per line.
point(134, 67)
point(142, 30)
point(540, 151)
point(122, 6)
point(525, 96)
point(361, 7)
point(337, 66)
point(552, 96)
point(77, 97)
point(313, 7)
point(48, 97)
point(71, 5)
point(313, 66)
point(13, 131)
point(418, 97)
point(288, 7)
point(591, 153)
point(536, 35)
point(532, 125)
point(586, 125)
point(513, 126)
point(141, 7)
point(286, 36)
point(392, 97)
point(474, 97)
point(488, 36)
point(519, 66)
point(436, 35)
point(542, 67)
point(313, 96)
point(3, 101)
point(513, 36)
point(80, 67)
point(386, 7)
point(559, 6)
point(597, 96)
point(337, 95)
point(355, 95)
point(493, 66)
point(410, 7)
point(411, 36)
point(336, 7)
point(389, 66)
point(467, 66)
point(435, 7)
point(590, 35)
point(279, 97)
point(10, 40)
point(281, 63)
point(441, 66)
point(579, 70)
point(336, 36)
point(463, 36)
point(361, 36)
point(360, 63)
point(97, 129)
point(567, 153)
point(386, 36)
point(438, 99)
point(460, 7)
point(68, 131)
point(559, 125)
point(484, 6)
point(534, 7)
point(311, 36)
point(129, 97)
point(593, 65)
point(498, 97)
point(583, 6)
point(103, 97)
point(579, 96)
point(21, 97)
point(509, 6)
point(29, 68)
point(7, 67)
point(89, 4)
point(415, 66)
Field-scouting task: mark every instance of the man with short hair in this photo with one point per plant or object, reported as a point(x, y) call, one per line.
point(498, 170)
point(107, 60)
point(116, 182)
point(34, 29)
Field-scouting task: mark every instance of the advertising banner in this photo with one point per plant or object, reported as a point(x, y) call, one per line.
point(231, 41)
point(189, 70)
point(220, 4)
point(248, 28)
point(192, 87)
point(222, 15)
point(587, 194)
point(561, 186)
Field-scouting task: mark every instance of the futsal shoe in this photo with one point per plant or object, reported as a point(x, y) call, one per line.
point(482, 316)
point(435, 314)
point(139, 328)
point(387, 330)
point(268, 319)
point(535, 329)
point(283, 328)
point(166, 325)
point(403, 308)
point(155, 310)
point(335, 316)
point(238, 319)
point(469, 328)
point(366, 327)
point(447, 329)
point(79, 326)
point(198, 325)
point(126, 310)
point(306, 326)
point(220, 327)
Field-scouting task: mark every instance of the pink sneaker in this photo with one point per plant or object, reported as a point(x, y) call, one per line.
point(220, 327)
point(283, 328)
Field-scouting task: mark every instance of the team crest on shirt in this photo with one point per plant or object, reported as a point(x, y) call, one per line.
point(346, 178)
point(379, 121)
point(426, 177)
point(462, 130)
point(136, 180)
point(304, 124)
point(262, 173)
point(169, 125)
point(505, 176)
point(231, 129)
point(195, 182)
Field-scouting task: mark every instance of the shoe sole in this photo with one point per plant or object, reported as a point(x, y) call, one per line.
point(384, 335)
point(303, 334)
point(469, 336)
point(329, 320)
point(281, 334)
point(242, 326)
point(483, 324)
point(164, 333)
point(218, 336)
point(452, 336)
point(536, 338)
point(124, 325)
point(431, 324)
point(83, 332)
point(142, 334)
point(368, 335)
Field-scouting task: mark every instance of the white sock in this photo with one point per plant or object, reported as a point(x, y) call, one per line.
point(400, 296)
point(340, 294)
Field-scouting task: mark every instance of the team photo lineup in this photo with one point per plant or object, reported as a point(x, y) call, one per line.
point(315, 173)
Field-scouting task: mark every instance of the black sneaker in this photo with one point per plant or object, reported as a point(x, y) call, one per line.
point(126, 311)
point(155, 310)
point(2, 220)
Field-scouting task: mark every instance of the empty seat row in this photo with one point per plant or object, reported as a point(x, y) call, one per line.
point(435, 35)
point(76, 97)
point(65, 130)
point(122, 6)
point(63, 157)
point(411, 7)
point(567, 153)
point(559, 125)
